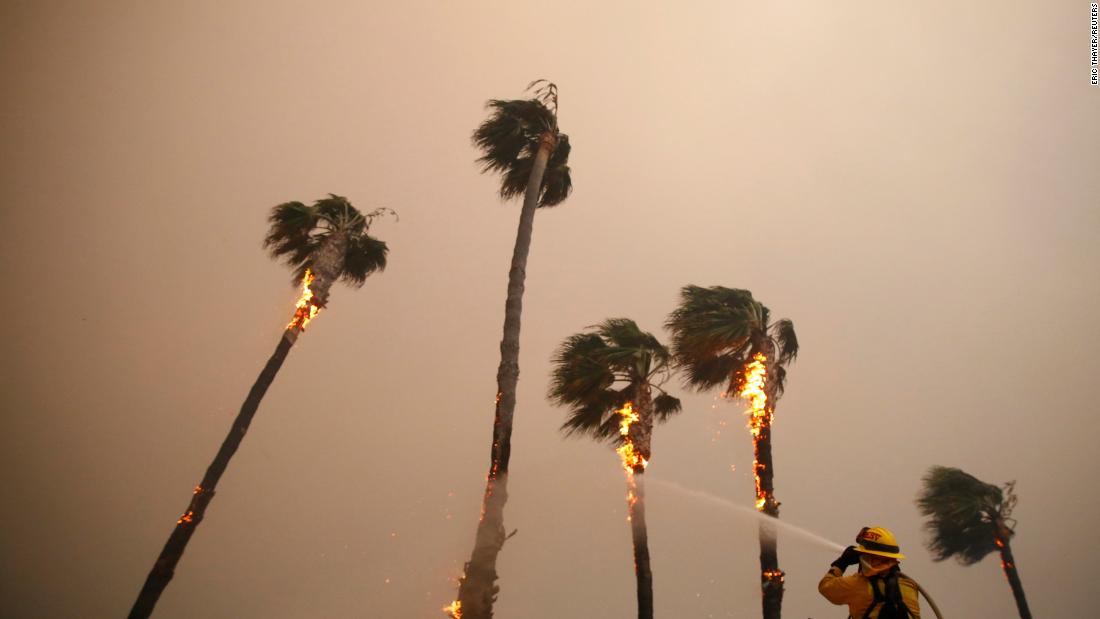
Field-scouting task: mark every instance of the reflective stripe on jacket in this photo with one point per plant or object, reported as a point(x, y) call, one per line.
point(855, 591)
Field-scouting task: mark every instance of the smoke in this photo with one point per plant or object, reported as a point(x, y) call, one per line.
point(742, 510)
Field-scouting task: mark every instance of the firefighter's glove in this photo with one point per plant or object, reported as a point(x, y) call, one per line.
point(849, 557)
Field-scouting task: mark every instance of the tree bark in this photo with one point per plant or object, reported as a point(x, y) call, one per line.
point(640, 435)
point(771, 577)
point(327, 264)
point(642, 571)
point(477, 589)
point(165, 565)
point(1009, 566)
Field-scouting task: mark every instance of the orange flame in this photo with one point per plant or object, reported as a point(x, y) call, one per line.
point(752, 390)
point(632, 460)
point(305, 310)
point(454, 610)
point(771, 575)
point(188, 517)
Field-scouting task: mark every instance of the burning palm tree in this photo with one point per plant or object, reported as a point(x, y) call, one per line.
point(968, 519)
point(724, 337)
point(521, 141)
point(323, 243)
point(607, 377)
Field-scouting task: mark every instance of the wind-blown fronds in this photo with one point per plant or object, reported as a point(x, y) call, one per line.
point(786, 342)
point(665, 406)
point(578, 377)
point(712, 321)
point(298, 231)
point(597, 372)
point(557, 181)
point(509, 141)
point(717, 330)
point(964, 514)
point(365, 256)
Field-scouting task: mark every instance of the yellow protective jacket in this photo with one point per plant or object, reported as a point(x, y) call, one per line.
point(855, 591)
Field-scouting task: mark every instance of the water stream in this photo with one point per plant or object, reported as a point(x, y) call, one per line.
point(781, 525)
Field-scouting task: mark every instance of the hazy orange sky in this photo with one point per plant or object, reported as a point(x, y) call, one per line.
point(914, 185)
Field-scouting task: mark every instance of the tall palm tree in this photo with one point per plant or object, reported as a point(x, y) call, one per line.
point(521, 141)
point(722, 337)
point(969, 519)
point(606, 377)
point(323, 243)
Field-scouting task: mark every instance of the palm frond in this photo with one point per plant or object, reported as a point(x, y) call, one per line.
point(597, 371)
point(712, 329)
point(710, 320)
point(779, 375)
point(364, 256)
point(577, 377)
point(665, 406)
point(298, 232)
point(963, 514)
point(291, 225)
point(509, 140)
point(547, 93)
point(621, 333)
point(702, 373)
point(511, 132)
point(595, 418)
point(786, 341)
point(557, 181)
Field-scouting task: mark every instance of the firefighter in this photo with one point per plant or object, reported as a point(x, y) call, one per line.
point(878, 589)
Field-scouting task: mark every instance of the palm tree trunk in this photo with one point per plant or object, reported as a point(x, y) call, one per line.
point(641, 435)
point(771, 577)
point(165, 565)
point(1009, 566)
point(477, 589)
point(642, 571)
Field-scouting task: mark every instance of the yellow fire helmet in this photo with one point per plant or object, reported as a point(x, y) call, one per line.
point(878, 541)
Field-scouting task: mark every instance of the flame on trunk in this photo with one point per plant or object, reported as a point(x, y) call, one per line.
point(305, 310)
point(772, 575)
point(454, 610)
point(189, 517)
point(632, 460)
point(752, 391)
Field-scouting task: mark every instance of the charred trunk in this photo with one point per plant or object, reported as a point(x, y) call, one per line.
point(165, 565)
point(771, 577)
point(1008, 563)
point(477, 589)
point(642, 571)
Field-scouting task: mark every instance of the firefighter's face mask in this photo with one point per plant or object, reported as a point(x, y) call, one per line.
point(871, 565)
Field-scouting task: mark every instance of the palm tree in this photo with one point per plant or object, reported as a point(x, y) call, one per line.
point(323, 243)
point(724, 337)
point(521, 141)
point(969, 519)
point(606, 377)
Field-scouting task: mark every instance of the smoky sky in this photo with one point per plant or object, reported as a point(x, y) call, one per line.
point(914, 185)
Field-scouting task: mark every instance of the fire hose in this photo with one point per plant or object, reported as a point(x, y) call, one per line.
point(931, 602)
